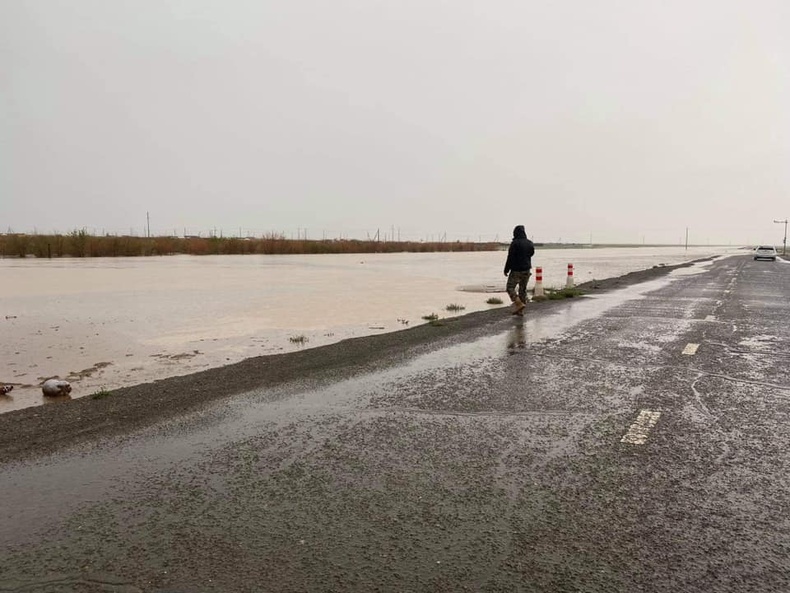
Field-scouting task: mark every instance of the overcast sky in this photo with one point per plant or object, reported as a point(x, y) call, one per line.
point(610, 120)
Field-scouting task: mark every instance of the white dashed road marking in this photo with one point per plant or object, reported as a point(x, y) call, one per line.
point(690, 349)
point(637, 434)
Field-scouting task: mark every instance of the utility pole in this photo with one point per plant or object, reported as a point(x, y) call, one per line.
point(148, 224)
point(687, 238)
point(784, 241)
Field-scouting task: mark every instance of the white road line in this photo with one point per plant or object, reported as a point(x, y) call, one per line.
point(690, 349)
point(710, 318)
point(637, 434)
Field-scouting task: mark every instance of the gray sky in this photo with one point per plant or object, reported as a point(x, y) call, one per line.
point(620, 120)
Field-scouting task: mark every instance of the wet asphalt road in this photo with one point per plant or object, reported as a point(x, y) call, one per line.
point(494, 464)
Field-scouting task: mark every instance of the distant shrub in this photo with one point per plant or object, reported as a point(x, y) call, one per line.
point(78, 243)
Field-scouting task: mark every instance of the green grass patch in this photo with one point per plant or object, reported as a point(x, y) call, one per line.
point(444, 321)
point(300, 339)
point(554, 294)
point(455, 307)
point(101, 393)
point(431, 317)
point(494, 301)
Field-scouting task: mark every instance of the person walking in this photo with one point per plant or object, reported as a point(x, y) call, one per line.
point(518, 268)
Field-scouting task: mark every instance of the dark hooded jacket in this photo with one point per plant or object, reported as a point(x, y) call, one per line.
point(519, 256)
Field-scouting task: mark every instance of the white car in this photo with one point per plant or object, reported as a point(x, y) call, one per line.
point(765, 252)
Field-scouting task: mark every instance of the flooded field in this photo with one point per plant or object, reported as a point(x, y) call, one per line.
point(106, 323)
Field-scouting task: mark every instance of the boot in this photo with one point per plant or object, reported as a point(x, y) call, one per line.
point(518, 305)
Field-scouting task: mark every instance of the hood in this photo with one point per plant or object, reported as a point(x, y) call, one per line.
point(519, 232)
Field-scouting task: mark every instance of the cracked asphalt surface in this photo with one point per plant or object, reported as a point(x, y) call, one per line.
point(487, 455)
